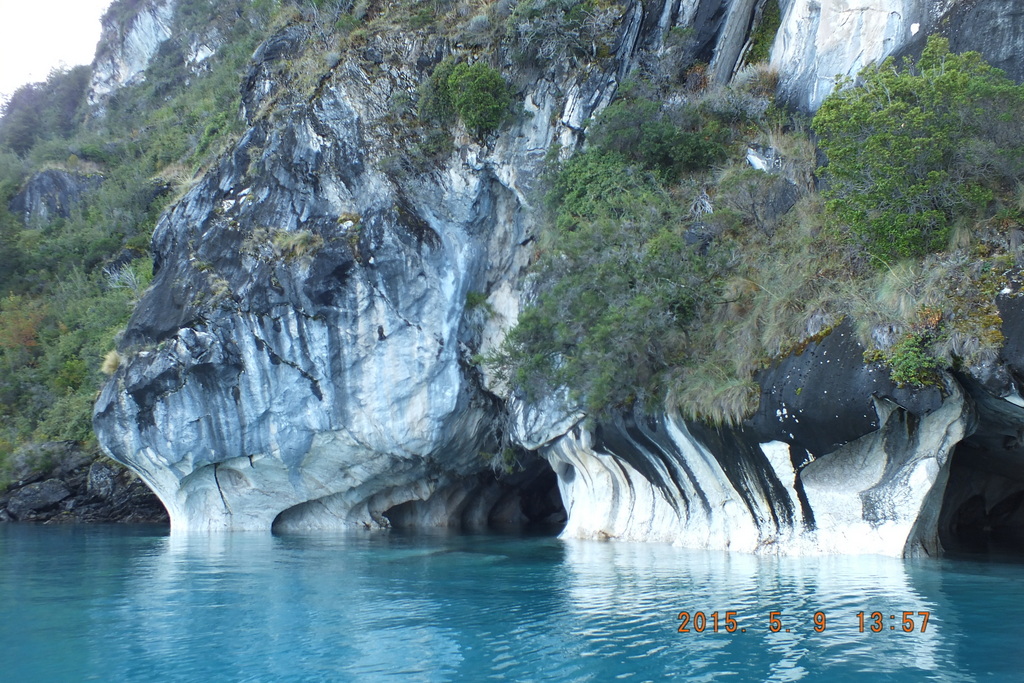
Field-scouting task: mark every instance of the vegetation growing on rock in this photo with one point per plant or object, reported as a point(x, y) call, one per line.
point(915, 146)
point(918, 155)
point(622, 282)
point(68, 286)
point(475, 93)
point(669, 270)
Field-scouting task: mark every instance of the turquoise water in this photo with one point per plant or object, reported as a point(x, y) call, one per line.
point(134, 604)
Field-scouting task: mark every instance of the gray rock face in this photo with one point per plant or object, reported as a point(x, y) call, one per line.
point(36, 497)
point(128, 45)
point(58, 459)
point(733, 35)
point(305, 357)
point(819, 40)
point(101, 481)
point(58, 482)
point(50, 194)
point(994, 28)
point(826, 396)
point(822, 39)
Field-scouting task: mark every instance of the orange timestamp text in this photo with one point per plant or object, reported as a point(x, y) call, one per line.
point(730, 622)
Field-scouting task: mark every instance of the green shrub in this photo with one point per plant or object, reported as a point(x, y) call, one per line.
point(346, 23)
point(595, 183)
point(39, 111)
point(480, 96)
point(476, 300)
point(475, 93)
point(68, 418)
point(914, 146)
point(435, 101)
point(644, 133)
point(72, 375)
point(910, 363)
point(619, 286)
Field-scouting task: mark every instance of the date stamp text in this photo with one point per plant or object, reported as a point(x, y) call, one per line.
point(777, 622)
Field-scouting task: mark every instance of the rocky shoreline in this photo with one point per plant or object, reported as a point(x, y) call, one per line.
point(61, 483)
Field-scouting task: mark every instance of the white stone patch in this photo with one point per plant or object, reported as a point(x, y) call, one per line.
point(863, 498)
point(757, 161)
point(605, 498)
point(1014, 398)
point(778, 455)
point(127, 57)
point(819, 39)
point(200, 53)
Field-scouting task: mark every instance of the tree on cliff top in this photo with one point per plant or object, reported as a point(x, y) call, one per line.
point(915, 145)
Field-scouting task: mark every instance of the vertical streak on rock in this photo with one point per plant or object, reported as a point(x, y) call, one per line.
point(880, 493)
point(731, 41)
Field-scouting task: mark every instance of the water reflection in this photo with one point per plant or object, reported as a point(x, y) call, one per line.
point(290, 609)
point(655, 583)
point(109, 605)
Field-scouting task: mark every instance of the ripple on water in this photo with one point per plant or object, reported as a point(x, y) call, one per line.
point(115, 605)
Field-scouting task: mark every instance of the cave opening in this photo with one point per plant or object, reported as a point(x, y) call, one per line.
point(983, 506)
point(527, 501)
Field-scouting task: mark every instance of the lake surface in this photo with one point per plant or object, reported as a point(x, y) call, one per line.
point(135, 604)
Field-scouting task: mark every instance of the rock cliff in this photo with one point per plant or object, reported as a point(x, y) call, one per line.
point(132, 33)
point(304, 353)
point(819, 41)
point(51, 194)
point(307, 354)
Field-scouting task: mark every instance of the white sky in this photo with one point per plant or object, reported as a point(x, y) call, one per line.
point(37, 35)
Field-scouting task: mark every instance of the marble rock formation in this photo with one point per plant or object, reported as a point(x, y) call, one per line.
point(305, 358)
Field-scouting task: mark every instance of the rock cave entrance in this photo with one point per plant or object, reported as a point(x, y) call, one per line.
point(983, 505)
point(527, 501)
